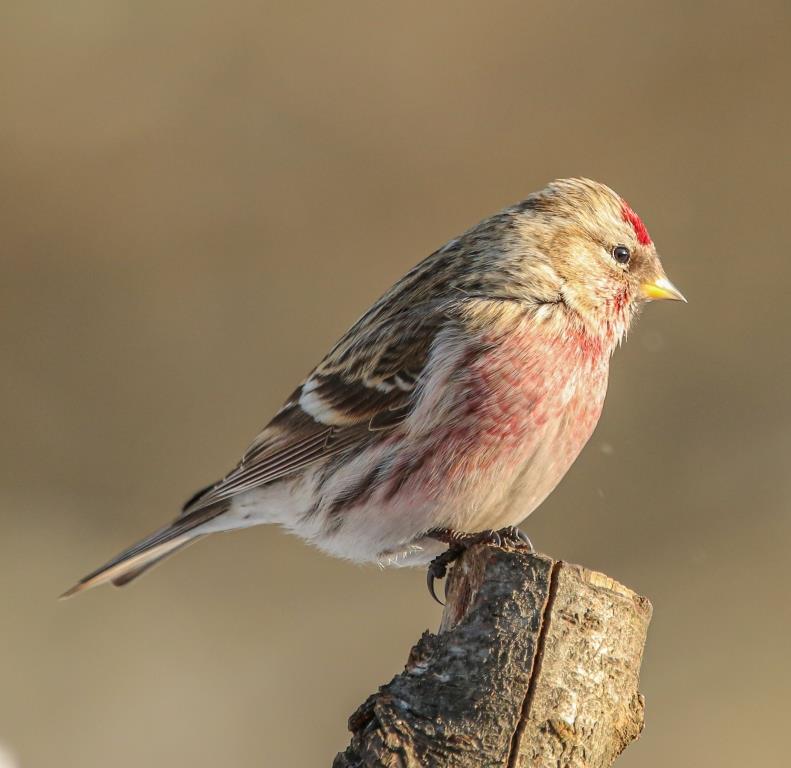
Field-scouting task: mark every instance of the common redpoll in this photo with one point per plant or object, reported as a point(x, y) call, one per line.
point(456, 403)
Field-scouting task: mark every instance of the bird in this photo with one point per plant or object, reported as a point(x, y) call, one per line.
point(455, 405)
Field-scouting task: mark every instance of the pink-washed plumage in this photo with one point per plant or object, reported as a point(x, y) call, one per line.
point(458, 401)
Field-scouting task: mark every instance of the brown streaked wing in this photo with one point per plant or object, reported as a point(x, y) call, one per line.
point(360, 391)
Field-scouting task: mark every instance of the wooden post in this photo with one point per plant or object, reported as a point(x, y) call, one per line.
point(535, 664)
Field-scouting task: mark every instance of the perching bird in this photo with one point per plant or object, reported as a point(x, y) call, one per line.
point(455, 404)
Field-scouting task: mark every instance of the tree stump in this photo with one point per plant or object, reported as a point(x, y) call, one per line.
point(536, 663)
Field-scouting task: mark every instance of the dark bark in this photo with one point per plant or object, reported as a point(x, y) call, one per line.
point(536, 663)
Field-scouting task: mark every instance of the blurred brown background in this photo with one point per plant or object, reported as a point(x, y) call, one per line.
point(197, 198)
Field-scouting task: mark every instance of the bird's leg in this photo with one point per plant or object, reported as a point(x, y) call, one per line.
point(504, 536)
point(458, 541)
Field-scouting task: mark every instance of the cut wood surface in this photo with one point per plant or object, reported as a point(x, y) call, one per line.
point(536, 663)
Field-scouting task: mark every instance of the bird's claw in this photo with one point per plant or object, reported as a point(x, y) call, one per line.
point(431, 576)
point(438, 568)
point(458, 542)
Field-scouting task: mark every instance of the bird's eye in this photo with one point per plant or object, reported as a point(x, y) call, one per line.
point(621, 254)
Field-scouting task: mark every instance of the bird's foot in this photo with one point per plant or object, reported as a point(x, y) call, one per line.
point(438, 567)
point(516, 537)
point(458, 541)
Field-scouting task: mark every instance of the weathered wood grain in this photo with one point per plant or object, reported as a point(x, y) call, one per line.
point(536, 664)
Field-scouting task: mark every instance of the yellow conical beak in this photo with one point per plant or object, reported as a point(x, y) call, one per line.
point(661, 288)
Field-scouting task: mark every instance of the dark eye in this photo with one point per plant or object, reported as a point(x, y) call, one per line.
point(621, 254)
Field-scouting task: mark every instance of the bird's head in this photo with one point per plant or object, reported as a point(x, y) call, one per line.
point(595, 253)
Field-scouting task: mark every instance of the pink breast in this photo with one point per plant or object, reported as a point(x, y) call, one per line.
point(515, 396)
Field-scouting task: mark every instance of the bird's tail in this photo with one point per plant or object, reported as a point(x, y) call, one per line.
point(138, 558)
